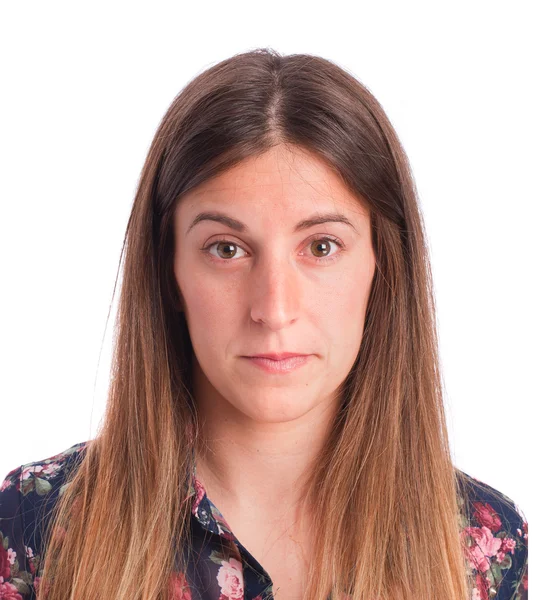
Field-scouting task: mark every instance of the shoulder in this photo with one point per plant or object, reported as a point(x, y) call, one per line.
point(495, 532)
point(26, 494)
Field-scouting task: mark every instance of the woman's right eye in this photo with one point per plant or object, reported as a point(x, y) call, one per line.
point(225, 247)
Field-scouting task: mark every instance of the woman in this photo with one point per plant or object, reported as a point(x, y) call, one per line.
point(276, 213)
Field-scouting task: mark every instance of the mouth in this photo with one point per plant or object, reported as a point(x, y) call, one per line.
point(277, 355)
point(285, 365)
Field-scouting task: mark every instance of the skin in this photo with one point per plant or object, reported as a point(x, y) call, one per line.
point(275, 294)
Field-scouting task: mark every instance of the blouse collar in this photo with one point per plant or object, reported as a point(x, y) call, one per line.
point(204, 510)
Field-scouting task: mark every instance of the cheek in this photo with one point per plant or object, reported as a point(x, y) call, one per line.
point(343, 316)
point(341, 313)
point(344, 299)
point(209, 307)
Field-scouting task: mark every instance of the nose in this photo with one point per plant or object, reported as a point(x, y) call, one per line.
point(275, 294)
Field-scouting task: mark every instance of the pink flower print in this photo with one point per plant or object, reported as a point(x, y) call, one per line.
point(230, 580)
point(32, 469)
point(51, 468)
point(179, 588)
point(11, 555)
point(481, 591)
point(486, 516)
point(8, 591)
point(41, 470)
point(484, 546)
point(5, 563)
point(199, 495)
point(5, 484)
point(507, 545)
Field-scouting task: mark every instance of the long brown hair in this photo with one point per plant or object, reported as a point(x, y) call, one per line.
point(384, 491)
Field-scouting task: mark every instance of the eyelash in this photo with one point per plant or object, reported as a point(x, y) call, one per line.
point(317, 260)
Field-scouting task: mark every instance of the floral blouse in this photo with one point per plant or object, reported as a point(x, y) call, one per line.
point(496, 541)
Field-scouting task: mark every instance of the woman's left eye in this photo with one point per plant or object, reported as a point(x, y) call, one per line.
point(325, 242)
point(324, 245)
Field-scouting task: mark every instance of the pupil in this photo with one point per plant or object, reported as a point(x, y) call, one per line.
point(228, 246)
point(323, 245)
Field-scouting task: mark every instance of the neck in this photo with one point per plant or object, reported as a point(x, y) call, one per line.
point(258, 468)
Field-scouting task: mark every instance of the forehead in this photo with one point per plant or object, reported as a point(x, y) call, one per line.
point(283, 178)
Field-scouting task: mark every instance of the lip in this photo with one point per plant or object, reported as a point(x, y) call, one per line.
point(286, 365)
point(276, 355)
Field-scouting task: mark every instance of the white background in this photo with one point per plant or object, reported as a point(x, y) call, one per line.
point(84, 87)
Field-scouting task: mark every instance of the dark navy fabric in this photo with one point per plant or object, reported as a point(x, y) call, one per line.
point(220, 567)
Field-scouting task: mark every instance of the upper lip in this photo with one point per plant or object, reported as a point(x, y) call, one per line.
point(277, 355)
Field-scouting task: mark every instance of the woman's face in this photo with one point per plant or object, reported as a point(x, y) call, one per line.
point(274, 284)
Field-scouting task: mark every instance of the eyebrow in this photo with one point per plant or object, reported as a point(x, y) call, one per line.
point(316, 219)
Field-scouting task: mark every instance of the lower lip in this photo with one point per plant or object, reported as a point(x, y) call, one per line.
point(279, 366)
